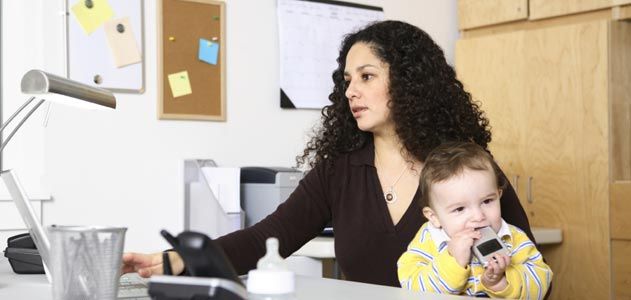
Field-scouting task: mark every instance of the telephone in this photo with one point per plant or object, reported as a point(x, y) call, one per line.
point(212, 276)
point(487, 245)
point(23, 255)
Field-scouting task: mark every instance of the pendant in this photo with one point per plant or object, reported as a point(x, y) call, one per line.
point(390, 196)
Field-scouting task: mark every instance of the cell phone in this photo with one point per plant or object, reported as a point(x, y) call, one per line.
point(487, 245)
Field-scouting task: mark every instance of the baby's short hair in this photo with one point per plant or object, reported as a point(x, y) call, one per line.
point(451, 159)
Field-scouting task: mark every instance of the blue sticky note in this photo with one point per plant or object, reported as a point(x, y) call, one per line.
point(208, 51)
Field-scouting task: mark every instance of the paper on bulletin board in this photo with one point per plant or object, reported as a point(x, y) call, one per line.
point(208, 51)
point(92, 14)
point(122, 42)
point(310, 34)
point(180, 84)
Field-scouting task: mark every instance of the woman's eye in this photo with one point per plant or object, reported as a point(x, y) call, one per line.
point(367, 76)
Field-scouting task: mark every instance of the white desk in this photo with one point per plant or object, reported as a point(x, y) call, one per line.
point(324, 247)
point(13, 286)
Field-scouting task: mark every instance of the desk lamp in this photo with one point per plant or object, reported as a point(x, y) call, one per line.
point(39, 82)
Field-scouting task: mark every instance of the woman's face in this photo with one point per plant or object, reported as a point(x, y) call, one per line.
point(367, 82)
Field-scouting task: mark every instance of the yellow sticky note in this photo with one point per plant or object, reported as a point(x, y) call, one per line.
point(91, 18)
point(180, 84)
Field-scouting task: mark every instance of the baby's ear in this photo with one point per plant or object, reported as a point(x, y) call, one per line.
point(431, 216)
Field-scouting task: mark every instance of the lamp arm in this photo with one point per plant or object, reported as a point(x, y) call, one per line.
point(16, 113)
point(5, 142)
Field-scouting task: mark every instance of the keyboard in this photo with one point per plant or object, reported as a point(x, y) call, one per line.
point(133, 287)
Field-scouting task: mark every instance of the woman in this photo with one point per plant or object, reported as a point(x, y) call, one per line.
point(395, 99)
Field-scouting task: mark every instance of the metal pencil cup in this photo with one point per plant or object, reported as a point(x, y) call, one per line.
point(85, 261)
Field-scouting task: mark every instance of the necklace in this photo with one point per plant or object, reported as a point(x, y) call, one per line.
point(389, 194)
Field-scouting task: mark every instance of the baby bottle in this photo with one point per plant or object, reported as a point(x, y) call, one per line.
point(271, 280)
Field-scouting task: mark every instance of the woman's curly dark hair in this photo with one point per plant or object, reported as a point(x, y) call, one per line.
point(428, 104)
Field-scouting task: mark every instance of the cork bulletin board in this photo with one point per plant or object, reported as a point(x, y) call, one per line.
point(191, 60)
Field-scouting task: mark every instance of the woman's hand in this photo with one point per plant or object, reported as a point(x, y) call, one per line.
point(460, 245)
point(148, 265)
point(494, 277)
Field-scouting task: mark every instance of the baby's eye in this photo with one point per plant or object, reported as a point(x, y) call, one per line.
point(458, 209)
point(487, 201)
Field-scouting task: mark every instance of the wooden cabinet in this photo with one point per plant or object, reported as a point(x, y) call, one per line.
point(476, 13)
point(559, 104)
point(552, 8)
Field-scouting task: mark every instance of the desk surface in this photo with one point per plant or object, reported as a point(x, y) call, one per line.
point(14, 286)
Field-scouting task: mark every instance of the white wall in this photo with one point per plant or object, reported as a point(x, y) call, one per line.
point(124, 167)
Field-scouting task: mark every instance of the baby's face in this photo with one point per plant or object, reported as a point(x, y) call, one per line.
point(468, 200)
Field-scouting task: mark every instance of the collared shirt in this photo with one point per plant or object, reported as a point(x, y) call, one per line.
point(427, 266)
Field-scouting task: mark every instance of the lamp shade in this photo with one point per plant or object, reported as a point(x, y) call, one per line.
point(40, 82)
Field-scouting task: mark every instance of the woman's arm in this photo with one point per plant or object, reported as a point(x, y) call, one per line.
point(295, 222)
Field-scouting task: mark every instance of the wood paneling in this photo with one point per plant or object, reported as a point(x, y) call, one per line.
point(477, 13)
point(540, 9)
point(598, 15)
point(568, 151)
point(620, 40)
point(621, 12)
point(483, 64)
point(621, 269)
point(621, 210)
point(546, 93)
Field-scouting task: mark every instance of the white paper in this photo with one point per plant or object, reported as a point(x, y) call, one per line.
point(310, 34)
point(225, 184)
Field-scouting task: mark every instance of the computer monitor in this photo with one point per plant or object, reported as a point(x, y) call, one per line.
point(30, 219)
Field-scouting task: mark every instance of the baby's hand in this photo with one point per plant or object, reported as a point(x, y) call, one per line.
point(460, 245)
point(494, 276)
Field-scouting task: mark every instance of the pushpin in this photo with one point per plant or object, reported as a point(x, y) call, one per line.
point(216, 18)
point(98, 79)
point(214, 38)
point(120, 28)
point(89, 3)
point(171, 38)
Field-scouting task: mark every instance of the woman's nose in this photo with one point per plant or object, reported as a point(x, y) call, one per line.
point(351, 91)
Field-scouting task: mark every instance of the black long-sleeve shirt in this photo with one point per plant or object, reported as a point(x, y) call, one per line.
point(348, 193)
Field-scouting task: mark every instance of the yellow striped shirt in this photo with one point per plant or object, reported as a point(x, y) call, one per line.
point(428, 266)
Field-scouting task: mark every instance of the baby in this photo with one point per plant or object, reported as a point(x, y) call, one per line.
point(461, 187)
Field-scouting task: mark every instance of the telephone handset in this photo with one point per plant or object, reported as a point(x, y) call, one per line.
point(212, 276)
point(487, 245)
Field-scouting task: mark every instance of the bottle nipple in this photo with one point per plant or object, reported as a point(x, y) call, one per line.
point(272, 275)
point(272, 259)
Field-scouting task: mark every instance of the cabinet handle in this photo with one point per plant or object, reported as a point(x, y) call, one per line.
point(529, 190)
point(516, 184)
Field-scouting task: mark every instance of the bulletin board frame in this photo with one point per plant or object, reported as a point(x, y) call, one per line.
point(181, 24)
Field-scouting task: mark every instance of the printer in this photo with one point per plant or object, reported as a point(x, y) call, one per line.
point(264, 188)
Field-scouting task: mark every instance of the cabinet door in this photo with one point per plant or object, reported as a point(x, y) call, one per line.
point(546, 94)
point(491, 70)
point(567, 106)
